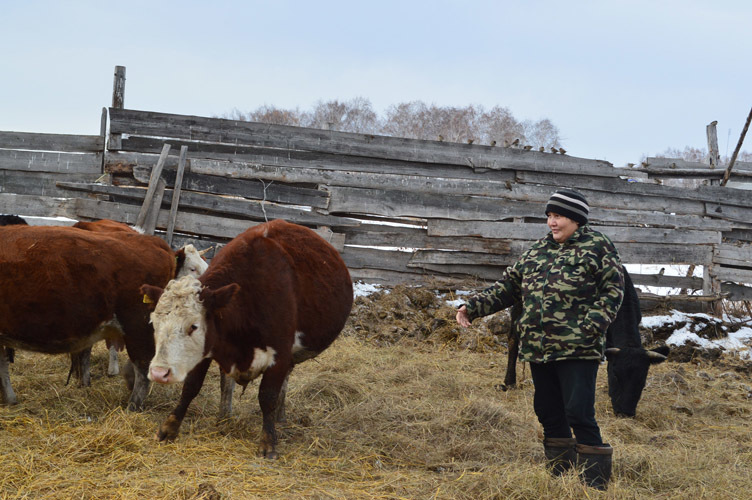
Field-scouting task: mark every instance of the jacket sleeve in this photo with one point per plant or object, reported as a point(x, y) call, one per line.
point(498, 296)
point(610, 293)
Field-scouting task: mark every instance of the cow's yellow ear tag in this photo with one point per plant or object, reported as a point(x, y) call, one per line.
point(147, 300)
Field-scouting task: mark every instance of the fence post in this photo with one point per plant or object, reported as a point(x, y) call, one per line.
point(118, 102)
point(118, 88)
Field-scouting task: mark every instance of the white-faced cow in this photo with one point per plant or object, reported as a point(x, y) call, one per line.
point(275, 296)
point(189, 262)
point(62, 289)
point(628, 361)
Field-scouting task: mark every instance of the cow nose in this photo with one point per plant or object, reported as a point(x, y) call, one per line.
point(159, 374)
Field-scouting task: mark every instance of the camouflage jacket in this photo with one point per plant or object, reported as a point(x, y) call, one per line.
point(570, 293)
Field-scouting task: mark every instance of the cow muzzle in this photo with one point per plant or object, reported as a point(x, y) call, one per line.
point(161, 375)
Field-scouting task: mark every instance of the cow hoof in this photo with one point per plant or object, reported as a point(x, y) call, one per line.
point(169, 429)
point(270, 455)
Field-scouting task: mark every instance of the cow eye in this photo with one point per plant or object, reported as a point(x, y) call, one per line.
point(192, 329)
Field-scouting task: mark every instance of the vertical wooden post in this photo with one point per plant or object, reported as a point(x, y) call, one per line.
point(118, 102)
point(713, 154)
point(118, 88)
point(176, 189)
point(147, 216)
point(103, 135)
point(712, 286)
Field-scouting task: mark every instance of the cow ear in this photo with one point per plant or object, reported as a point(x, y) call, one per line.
point(151, 293)
point(219, 298)
point(179, 260)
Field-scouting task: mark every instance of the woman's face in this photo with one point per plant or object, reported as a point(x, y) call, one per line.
point(561, 227)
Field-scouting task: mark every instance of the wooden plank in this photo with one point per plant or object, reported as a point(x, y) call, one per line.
point(247, 188)
point(149, 205)
point(306, 165)
point(399, 237)
point(736, 292)
point(178, 185)
point(218, 205)
point(392, 203)
point(734, 254)
point(733, 274)
point(144, 123)
point(642, 253)
point(667, 281)
point(58, 162)
point(51, 142)
point(438, 205)
point(681, 164)
point(589, 184)
point(38, 206)
point(532, 232)
point(39, 183)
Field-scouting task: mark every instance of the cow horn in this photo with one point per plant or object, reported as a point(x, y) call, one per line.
point(613, 350)
point(655, 355)
point(204, 251)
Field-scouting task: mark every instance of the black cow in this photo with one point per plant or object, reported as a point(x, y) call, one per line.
point(10, 220)
point(628, 361)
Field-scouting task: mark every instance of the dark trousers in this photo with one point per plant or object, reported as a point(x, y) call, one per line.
point(565, 398)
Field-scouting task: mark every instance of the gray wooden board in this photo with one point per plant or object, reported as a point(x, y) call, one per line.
point(247, 188)
point(667, 281)
point(678, 163)
point(301, 166)
point(457, 207)
point(219, 205)
point(45, 161)
point(532, 232)
point(400, 237)
point(727, 212)
point(733, 274)
point(734, 254)
point(146, 123)
point(51, 142)
point(637, 190)
point(39, 183)
point(392, 203)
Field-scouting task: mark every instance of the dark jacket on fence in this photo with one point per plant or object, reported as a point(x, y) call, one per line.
point(570, 293)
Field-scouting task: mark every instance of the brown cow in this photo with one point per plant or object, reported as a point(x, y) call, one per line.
point(189, 262)
point(275, 296)
point(62, 289)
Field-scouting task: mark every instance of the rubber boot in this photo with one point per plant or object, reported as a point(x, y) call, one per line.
point(560, 454)
point(596, 464)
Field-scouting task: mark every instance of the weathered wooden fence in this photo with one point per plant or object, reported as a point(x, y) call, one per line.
point(399, 210)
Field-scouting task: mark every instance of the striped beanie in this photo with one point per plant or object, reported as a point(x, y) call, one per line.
point(570, 204)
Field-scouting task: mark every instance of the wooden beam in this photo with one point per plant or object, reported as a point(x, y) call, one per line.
point(148, 206)
point(176, 194)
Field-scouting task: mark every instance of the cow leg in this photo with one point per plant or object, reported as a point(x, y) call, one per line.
point(113, 367)
point(227, 387)
point(169, 429)
point(513, 342)
point(81, 367)
point(269, 398)
point(9, 397)
point(140, 388)
point(281, 414)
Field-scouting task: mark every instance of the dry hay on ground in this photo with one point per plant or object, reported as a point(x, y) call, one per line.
point(388, 414)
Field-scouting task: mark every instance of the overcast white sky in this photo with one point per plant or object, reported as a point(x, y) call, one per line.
point(620, 79)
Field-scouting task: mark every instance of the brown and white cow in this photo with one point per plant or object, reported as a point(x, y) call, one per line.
point(62, 289)
point(189, 262)
point(275, 296)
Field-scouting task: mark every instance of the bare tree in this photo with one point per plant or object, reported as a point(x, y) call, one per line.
point(542, 133)
point(355, 115)
point(414, 120)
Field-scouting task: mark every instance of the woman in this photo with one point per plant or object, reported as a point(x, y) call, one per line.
point(571, 285)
